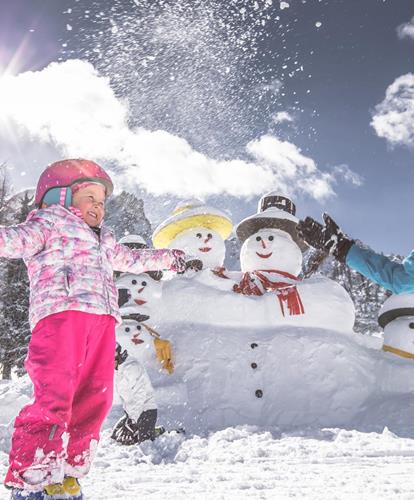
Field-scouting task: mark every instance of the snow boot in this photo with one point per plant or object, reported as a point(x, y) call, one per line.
point(68, 490)
point(72, 487)
point(125, 431)
point(19, 494)
point(146, 425)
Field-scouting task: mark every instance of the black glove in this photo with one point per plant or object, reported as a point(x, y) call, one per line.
point(190, 263)
point(328, 238)
point(193, 264)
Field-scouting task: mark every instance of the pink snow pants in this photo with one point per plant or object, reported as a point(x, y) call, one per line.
point(71, 364)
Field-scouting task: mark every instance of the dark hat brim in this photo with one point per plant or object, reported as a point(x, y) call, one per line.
point(250, 226)
point(136, 317)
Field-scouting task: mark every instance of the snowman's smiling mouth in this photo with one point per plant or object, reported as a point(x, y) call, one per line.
point(205, 249)
point(140, 302)
point(137, 340)
point(264, 255)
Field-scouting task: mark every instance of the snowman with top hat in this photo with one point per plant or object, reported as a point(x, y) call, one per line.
point(198, 229)
point(269, 237)
point(271, 252)
point(271, 259)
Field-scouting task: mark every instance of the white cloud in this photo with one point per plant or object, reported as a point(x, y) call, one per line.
point(69, 108)
point(394, 116)
point(406, 30)
point(345, 173)
point(283, 117)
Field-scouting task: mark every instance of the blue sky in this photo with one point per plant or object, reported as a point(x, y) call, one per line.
point(325, 65)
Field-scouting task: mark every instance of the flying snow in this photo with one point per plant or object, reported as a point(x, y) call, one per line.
point(72, 107)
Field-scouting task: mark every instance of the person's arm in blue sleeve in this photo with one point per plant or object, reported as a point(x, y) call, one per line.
point(399, 278)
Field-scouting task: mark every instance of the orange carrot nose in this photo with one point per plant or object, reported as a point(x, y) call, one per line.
point(140, 290)
point(263, 244)
point(207, 239)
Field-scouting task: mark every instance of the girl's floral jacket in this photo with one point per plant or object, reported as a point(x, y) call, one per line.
point(70, 267)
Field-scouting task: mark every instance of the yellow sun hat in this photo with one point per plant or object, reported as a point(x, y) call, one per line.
point(190, 214)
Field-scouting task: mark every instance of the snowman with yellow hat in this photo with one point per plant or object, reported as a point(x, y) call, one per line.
point(198, 229)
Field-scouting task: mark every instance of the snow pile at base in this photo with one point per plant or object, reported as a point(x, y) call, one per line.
point(249, 462)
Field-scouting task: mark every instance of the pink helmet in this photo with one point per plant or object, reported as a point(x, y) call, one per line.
point(64, 173)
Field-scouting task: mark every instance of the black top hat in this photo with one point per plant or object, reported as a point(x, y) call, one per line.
point(276, 212)
point(276, 201)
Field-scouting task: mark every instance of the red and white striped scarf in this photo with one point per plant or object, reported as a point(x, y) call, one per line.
point(284, 284)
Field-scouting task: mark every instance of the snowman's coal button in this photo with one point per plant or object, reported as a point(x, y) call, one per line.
point(259, 393)
point(253, 345)
point(254, 366)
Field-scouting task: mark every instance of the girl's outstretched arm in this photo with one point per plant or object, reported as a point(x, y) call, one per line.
point(25, 239)
point(126, 260)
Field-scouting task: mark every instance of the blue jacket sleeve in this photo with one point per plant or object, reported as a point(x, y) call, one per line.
point(399, 278)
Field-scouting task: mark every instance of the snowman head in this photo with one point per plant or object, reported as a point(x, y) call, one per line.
point(139, 291)
point(271, 249)
point(202, 243)
point(132, 336)
point(197, 229)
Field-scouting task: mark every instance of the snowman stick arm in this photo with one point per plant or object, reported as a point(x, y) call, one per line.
point(399, 278)
point(151, 331)
point(316, 261)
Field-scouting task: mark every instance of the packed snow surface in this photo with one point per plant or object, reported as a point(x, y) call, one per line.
point(250, 462)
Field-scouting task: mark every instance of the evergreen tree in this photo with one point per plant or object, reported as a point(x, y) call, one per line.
point(14, 299)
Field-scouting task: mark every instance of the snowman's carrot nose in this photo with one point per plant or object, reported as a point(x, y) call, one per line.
point(141, 289)
point(263, 243)
point(208, 238)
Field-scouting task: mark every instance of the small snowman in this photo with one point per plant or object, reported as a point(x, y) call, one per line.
point(197, 229)
point(138, 293)
point(396, 317)
point(133, 337)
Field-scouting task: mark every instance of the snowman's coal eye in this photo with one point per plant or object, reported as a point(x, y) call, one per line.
point(127, 329)
point(144, 283)
point(199, 235)
point(209, 235)
point(134, 282)
point(271, 238)
point(258, 238)
point(139, 327)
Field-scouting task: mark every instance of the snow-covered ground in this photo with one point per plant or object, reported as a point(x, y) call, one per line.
point(239, 462)
point(249, 462)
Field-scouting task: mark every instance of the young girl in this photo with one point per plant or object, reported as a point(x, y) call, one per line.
point(73, 311)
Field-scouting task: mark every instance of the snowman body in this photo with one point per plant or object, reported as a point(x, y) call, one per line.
point(282, 376)
point(231, 350)
point(326, 305)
